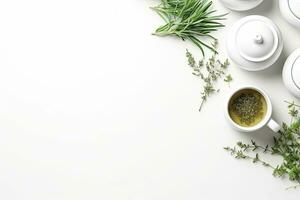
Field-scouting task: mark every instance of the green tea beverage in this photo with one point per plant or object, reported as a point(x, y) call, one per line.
point(247, 107)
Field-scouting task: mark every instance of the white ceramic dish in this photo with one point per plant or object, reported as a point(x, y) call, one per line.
point(254, 43)
point(291, 73)
point(241, 5)
point(290, 9)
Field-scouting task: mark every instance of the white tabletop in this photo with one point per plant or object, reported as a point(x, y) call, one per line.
point(95, 107)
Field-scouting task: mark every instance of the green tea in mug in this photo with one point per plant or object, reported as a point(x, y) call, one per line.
point(247, 107)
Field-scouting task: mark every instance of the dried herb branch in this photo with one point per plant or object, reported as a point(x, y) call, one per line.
point(208, 71)
point(188, 20)
point(286, 145)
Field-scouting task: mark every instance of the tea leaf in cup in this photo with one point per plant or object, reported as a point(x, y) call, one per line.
point(247, 107)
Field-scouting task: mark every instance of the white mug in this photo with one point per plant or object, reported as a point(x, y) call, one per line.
point(267, 120)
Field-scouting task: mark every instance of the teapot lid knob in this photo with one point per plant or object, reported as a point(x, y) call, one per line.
point(259, 39)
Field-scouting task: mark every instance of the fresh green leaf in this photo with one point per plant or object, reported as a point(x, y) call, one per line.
point(189, 20)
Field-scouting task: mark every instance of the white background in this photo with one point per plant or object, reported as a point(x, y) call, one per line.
point(94, 107)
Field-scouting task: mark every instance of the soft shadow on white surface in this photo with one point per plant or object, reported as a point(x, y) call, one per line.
point(263, 9)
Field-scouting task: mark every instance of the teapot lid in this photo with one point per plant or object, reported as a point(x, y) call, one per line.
point(254, 43)
point(256, 40)
point(291, 73)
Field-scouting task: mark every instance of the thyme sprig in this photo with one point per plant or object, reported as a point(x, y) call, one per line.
point(188, 20)
point(241, 154)
point(228, 79)
point(286, 145)
point(208, 71)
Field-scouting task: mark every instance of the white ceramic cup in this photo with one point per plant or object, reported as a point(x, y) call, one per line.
point(266, 121)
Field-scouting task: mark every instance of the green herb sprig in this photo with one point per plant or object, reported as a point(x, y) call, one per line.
point(188, 20)
point(228, 79)
point(286, 145)
point(208, 71)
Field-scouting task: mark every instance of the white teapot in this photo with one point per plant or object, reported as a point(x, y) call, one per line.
point(254, 43)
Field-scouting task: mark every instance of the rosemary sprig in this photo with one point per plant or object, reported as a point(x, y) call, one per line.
point(286, 145)
point(188, 20)
point(208, 71)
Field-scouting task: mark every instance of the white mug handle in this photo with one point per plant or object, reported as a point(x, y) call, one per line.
point(274, 125)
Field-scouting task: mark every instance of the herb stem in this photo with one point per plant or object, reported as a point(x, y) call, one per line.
point(201, 105)
point(258, 160)
point(262, 148)
point(241, 154)
point(292, 104)
point(293, 187)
